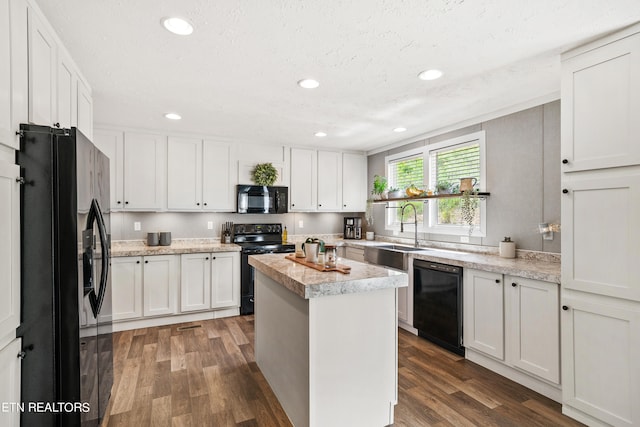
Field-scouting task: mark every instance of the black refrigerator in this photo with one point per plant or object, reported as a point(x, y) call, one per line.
point(67, 366)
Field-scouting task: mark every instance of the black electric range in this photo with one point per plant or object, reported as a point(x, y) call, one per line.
point(256, 239)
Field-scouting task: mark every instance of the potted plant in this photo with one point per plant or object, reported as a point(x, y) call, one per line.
point(395, 193)
point(379, 187)
point(264, 174)
point(443, 187)
point(468, 207)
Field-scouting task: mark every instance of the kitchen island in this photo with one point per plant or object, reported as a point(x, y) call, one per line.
point(327, 342)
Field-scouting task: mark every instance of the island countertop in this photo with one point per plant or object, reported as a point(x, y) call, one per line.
point(309, 283)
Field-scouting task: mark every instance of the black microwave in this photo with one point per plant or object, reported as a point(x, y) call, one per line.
point(258, 199)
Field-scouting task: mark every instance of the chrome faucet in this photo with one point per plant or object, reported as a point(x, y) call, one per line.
point(415, 221)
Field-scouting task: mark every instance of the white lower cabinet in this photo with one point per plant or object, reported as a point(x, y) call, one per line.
point(209, 281)
point(225, 279)
point(126, 287)
point(512, 326)
point(10, 390)
point(160, 284)
point(600, 353)
point(195, 282)
point(483, 304)
point(158, 287)
point(533, 323)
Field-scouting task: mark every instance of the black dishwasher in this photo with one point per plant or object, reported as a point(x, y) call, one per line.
point(437, 304)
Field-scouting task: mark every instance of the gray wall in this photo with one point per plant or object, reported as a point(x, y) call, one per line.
point(523, 177)
point(194, 225)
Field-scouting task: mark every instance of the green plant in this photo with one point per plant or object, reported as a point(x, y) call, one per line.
point(379, 185)
point(443, 187)
point(264, 174)
point(468, 207)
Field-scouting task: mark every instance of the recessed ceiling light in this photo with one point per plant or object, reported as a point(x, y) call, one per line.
point(308, 83)
point(177, 26)
point(430, 75)
point(400, 129)
point(320, 134)
point(173, 116)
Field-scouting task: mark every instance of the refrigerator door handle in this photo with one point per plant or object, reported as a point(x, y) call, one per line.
point(95, 215)
point(106, 257)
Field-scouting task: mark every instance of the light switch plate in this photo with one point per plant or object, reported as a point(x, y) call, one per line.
point(137, 226)
point(301, 224)
point(209, 225)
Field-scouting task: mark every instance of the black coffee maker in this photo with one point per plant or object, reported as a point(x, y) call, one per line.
point(353, 228)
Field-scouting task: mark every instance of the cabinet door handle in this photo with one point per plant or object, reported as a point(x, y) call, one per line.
point(119, 202)
point(205, 203)
point(198, 204)
point(565, 191)
point(565, 307)
point(497, 280)
point(320, 205)
point(293, 204)
point(206, 259)
point(514, 284)
point(137, 262)
point(146, 262)
point(565, 161)
point(213, 258)
point(126, 203)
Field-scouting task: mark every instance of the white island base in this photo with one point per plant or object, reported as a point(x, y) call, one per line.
point(330, 360)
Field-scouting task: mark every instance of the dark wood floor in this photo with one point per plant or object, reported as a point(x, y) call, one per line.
point(206, 375)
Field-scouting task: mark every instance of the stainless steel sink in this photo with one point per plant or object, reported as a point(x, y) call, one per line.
point(394, 256)
point(402, 248)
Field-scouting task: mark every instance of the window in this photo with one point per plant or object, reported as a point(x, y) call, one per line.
point(441, 163)
point(404, 170)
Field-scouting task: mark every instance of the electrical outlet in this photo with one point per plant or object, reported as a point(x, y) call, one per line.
point(209, 225)
point(301, 224)
point(137, 226)
point(464, 239)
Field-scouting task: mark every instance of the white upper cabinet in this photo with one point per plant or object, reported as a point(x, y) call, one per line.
point(67, 83)
point(145, 163)
point(329, 181)
point(84, 109)
point(354, 182)
point(200, 175)
point(42, 72)
point(6, 137)
point(184, 174)
point(111, 143)
point(601, 104)
point(304, 180)
point(249, 155)
point(219, 171)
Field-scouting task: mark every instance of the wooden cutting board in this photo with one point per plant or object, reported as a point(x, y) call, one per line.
point(344, 269)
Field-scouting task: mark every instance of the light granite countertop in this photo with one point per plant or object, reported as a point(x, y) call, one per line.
point(528, 264)
point(307, 282)
point(123, 248)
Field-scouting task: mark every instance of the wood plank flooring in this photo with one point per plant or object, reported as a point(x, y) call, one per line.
point(204, 374)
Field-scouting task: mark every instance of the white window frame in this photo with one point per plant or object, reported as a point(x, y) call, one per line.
point(429, 224)
point(459, 230)
point(394, 207)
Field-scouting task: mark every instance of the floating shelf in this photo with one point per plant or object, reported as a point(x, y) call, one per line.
point(480, 195)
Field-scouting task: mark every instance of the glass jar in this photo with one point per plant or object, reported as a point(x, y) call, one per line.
point(330, 256)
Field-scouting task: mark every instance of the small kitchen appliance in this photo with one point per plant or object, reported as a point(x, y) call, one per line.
point(353, 228)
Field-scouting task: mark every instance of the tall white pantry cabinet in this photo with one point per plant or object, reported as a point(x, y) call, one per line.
point(601, 231)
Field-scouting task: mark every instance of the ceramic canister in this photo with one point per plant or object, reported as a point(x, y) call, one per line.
point(507, 248)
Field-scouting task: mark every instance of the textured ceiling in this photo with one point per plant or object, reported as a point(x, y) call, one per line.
point(235, 76)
